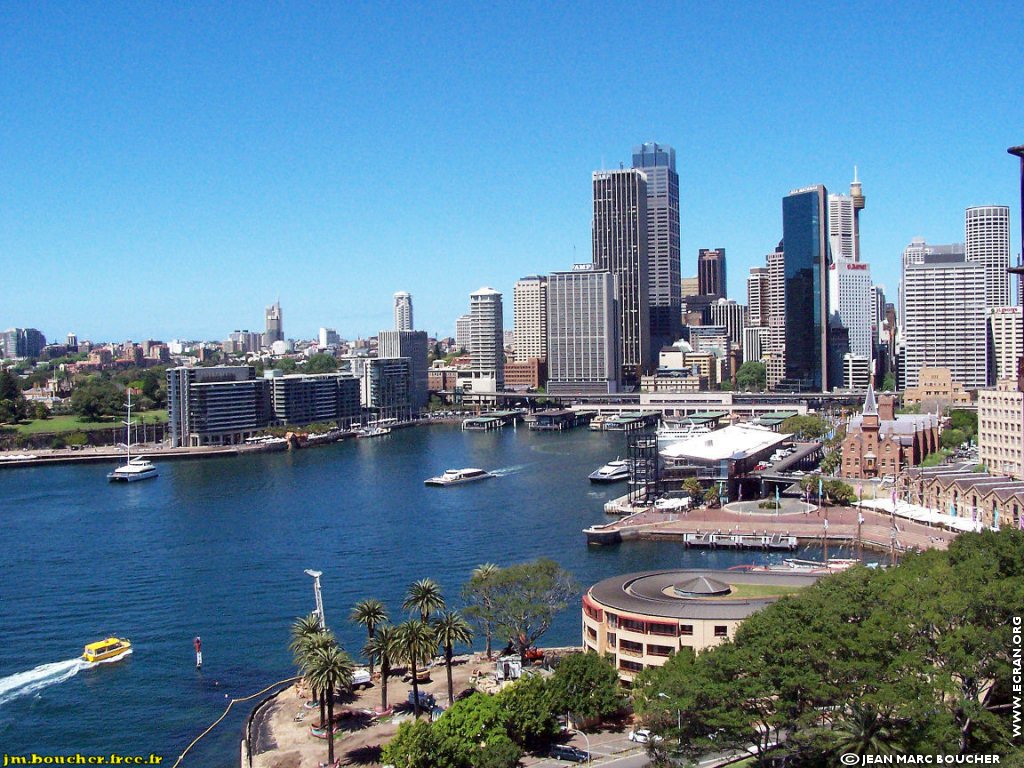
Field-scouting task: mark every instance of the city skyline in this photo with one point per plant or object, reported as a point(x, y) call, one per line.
point(175, 155)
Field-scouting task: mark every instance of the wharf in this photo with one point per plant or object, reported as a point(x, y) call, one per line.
point(556, 420)
point(490, 421)
point(629, 421)
point(735, 526)
point(41, 458)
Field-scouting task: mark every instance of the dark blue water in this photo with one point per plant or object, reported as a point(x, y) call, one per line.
point(217, 548)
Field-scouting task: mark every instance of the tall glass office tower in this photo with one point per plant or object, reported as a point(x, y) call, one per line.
point(805, 238)
point(658, 162)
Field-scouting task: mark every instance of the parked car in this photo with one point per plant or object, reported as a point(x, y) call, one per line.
point(570, 753)
point(643, 735)
point(361, 678)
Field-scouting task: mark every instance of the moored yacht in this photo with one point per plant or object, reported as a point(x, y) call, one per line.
point(612, 472)
point(139, 468)
point(457, 476)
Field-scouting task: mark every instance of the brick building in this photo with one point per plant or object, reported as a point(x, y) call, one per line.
point(880, 443)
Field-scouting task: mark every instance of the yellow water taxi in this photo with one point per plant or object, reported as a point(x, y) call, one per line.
point(106, 649)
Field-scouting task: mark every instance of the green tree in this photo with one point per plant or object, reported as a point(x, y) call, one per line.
point(529, 707)
point(695, 490)
point(712, 496)
point(413, 746)
point(329, 669)
point(965, 421)
point(951, 438)
point(320, 363)
point(306, 637)
point(417, 640)
point(13, 406)
point(465, 727)
point(97, 397)
point(751, 375)
point(889, 383)
point(497, 751)
point(830, 462)
point(478, 598)
point(526, 598)
point(41, 411)
point(805, 427)
point(369, 614)
point(587, 685)
point(424, 596)
point(385, 646)
point(451, 629)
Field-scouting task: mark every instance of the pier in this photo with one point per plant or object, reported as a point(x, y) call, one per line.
point(490, 421)
point(556, 420)
point(629, 421)
point(738, 528)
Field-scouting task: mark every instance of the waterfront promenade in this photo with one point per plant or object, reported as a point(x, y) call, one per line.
point(805, 522)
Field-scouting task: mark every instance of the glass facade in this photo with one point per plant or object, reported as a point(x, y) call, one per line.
point(805, 235)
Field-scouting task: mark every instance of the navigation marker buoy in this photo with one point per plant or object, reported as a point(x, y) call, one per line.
point(198, 643)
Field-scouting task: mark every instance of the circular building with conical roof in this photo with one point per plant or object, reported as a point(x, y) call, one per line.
point(640, 619)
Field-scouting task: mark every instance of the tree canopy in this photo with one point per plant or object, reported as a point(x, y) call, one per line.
point(914, 658)
point(586, 685)
point(806, 427)
point(751, 375)
point(526, 598)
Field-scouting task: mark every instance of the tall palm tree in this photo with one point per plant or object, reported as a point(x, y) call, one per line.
point(307, 635)
point(369, 613)
point(478, 593)
point(424, 596)
point(418, 643)
point(863, 730)
point(451, 629)
point(385, 646)
point(330, 669)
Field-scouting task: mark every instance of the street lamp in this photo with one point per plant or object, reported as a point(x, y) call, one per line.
point(319, 599)
point(679, 718)
point(581, 733)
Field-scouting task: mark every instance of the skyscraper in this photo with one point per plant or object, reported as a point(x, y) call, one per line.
point(620, 247)
point(1004, 342)
point(758, 296)
point(805, 235)
point(530, 316)
point(275, 326)
point(487, 338)
point(775, 354)
point(850, 299)
point(711, 273)
point(915, 254)
point(582, 331)
point(987, 242)
point(945, 319)
point(844, 221)
point(463, 340)
point(658, 163)
point(733, 316)
point(403, 311)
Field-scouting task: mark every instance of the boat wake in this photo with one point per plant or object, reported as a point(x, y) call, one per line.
point(502, 471)
point(26, 683)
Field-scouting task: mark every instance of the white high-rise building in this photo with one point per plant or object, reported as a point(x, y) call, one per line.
point(403, 311)
point(583, 331)
point(914, 254)
point(755, 342)
point(328, 337)
point(849, 284)
point(840, 226)
point(487, 339)
point(733, 316)
point(987, 242)
point(775, 353)
point(944, 299)
point(1004, 342)
point(530, 314)
point(758, 296)
point(463, 340)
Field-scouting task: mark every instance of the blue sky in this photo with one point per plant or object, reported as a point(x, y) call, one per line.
point(166, 171)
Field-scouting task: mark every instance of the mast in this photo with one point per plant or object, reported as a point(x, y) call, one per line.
point(128, 423)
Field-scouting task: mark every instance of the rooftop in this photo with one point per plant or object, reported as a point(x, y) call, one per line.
point(735, 442)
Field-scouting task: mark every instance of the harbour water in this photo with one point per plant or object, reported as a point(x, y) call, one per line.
point(217, 548)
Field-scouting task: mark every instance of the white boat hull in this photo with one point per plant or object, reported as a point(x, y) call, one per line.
point(132, 477)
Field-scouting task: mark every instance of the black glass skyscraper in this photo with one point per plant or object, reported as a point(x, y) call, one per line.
point(658, 162)
point(805, 238)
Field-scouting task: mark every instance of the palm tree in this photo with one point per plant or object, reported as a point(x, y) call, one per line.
point(480, 590)
point(863, 730)
point(307, 635)
point(330, 669)
point(385, 646)
point(369, 613)
point(450, 628)
point(424, 596)
point(418, 643)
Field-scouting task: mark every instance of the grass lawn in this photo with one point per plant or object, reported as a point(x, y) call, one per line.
point(761, 590)
point(935, 459)
point(61, 424)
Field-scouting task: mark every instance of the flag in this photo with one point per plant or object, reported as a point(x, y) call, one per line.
point(819, 488)
point(826, 524)
point(860, 518)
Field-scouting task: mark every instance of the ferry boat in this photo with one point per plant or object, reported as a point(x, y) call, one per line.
point(612, 472)
point(670, 432)
point(110, 648)
point(139, 468)
point(597, 423)
point(458, 476)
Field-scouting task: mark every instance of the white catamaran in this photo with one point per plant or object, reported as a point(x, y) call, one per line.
point(139, 468)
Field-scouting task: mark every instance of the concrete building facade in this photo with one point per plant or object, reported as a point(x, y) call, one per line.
point(987, 242)
point(583, 329)
point(1004, 342)
point(411, 345)
point(530, 318)
point(403, 311)
point(487, 338)
point(1001, 429)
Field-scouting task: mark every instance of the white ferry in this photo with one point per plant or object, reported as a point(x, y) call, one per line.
point(675, 432)
point(458, 476)
point(612, 472)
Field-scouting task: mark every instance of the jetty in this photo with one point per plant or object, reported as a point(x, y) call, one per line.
point(557, 420)
point(493, 420)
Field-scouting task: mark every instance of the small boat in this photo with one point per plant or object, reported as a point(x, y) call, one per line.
point(612, 472)
point(139, 468)
point(373, 432)
point(457, 476)
point(597, 423)
point(110, 648)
